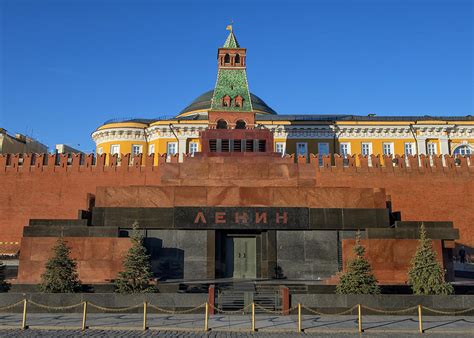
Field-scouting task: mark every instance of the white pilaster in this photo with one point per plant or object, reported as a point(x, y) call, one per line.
point(444, 145)
point(182, 148)
point(421, 145)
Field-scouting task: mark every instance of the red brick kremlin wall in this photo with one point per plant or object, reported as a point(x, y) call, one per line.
point(37, 190)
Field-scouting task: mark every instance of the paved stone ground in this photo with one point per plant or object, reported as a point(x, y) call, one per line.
point(128, 325)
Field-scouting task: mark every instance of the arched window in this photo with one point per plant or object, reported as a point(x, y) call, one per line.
point(227, 58)
point(237, 58)
point(462, 150)
point(240, 124)
point(221, 124)
point(238, 100)
point(226, 101)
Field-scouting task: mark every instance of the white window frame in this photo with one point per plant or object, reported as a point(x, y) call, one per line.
point(344, 149)
point(281, 145)
point(320, 146)
point(151, 149)
point(137, 146)
point(391, 147)
point(369, 146)
point(116, 150)
point(412, 148)
point(463, 153)
point(170, 145)
point(194, 145)
point(305, 146)
point(431, 148)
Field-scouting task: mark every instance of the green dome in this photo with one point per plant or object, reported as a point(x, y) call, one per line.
point(203, 102)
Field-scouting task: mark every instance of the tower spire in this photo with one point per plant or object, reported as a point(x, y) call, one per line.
point(231, 92)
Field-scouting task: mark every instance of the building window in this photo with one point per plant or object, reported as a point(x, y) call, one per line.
point(237, 58)
point(136, 149)
point(193, 148)
point(366, 148)
point(409, 148)
point(302, 149)
point(388, 149)
point(431, 148)
point(221, 124)
point(344, 149)
point(100, 150)
point(151, 149)
point(463, 151)
point(115, 149)
point(280, 148)
point(238, 101)
point(171, 148)
point(226, 101)
point(240, 124)
point(227, 58)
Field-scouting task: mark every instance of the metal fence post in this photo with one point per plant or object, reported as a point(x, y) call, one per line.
point(253, 317)
point(420, 321)
point(23, 322)
point(360, 317)
point(299, 318)
point(206, 320)
point(84, 316)
point(144, 315)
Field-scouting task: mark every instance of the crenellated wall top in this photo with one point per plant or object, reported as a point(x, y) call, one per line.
point(47, 163)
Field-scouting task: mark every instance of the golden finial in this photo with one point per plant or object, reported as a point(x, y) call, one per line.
point(229, 27)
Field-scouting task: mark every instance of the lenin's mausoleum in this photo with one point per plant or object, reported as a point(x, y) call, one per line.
point(228, 188)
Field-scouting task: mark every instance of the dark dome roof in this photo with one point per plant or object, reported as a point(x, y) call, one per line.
point(203, 102)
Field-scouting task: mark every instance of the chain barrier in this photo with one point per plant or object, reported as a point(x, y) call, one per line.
point(174, 312)
point(240, 311)
point(11, 306)
point(114, 309)
point(277, 312)
point(390, 312)
point(447, 313)
point(55, 308)
point(329, 314)
point(236, 312)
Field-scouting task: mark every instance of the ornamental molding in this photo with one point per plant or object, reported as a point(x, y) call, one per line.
point(181, 131)
point(119, 134)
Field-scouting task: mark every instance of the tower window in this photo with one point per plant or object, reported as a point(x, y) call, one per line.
point(226, 101)
point(227, 58)
point(238, 100)
point(240, 124)
point(237, 58)
point(221, 124)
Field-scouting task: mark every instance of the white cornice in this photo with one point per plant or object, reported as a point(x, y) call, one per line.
point(119, 134)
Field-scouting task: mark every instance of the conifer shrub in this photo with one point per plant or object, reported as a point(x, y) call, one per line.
point(4, 285)
point(358, 279)
point(137, 273)
point(426, 276)
point(60, 275)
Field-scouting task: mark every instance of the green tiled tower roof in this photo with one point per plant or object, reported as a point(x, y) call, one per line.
point(231, 41)
point(231, 81)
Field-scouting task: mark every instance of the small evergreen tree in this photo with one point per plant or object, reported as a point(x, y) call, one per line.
point(60, 275)
point(426, 277)
point(4, 286)
point(137, 267)
point(358, 277)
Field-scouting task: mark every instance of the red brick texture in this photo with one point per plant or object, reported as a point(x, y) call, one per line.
point(390, 258)
point(431, 193)
point(98, 259)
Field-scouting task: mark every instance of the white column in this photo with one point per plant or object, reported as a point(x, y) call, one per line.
point(421, 145)
point(182, 148)
point(444, 145)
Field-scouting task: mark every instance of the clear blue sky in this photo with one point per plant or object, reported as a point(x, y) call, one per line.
point(67, 66)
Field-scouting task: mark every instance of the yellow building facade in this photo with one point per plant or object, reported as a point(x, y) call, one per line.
point(292, 134)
